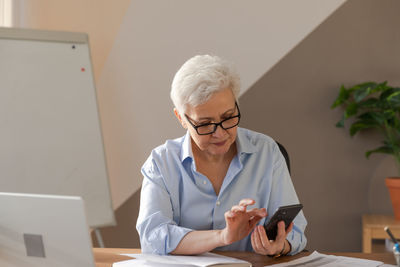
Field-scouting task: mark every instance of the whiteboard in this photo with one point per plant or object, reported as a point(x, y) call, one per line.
point(50, 133)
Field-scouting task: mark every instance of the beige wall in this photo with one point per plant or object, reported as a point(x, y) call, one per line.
point(101, 19)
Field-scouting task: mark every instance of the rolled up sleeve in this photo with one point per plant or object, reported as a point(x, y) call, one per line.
point(159, 233)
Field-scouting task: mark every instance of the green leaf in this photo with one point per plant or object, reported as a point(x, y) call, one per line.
point(351, 110)
point(377, 117)
point(363, 91)
point(342, 97)
point(382, 87)
point(386, 93)
point(394, 98)
point(382, 149)
point(340, 124)
point(361, 125)
point(369, 103)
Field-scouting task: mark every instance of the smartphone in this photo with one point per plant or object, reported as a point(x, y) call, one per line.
point(283, 213)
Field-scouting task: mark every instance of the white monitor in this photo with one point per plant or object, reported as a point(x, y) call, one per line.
point(44, 230)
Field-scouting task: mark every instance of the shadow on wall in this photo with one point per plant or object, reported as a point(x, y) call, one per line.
point(124, 234)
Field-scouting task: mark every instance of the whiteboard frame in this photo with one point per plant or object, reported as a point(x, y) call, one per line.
point(65, 37)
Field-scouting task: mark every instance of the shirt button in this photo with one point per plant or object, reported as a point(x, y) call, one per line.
point(218, 203)
point(204, 182)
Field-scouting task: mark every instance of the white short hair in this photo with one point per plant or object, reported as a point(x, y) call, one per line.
point(199, 78)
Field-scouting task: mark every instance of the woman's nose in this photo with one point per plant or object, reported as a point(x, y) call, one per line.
point(219, 131)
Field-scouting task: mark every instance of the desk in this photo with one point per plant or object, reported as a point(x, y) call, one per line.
point(104, 257)
point(372, 228)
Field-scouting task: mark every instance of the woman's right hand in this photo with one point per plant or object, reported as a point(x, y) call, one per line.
point(240, 221)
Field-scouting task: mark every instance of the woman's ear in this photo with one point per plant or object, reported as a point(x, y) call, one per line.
point(178, 116)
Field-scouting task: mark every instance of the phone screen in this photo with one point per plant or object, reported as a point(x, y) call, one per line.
point(283, 213)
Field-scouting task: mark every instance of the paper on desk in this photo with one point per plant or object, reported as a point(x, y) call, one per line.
point(146, 263)
point(205, 259)
point(317, 259)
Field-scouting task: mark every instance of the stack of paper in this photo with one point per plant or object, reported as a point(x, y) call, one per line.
point(318, 259)
point(203, 260)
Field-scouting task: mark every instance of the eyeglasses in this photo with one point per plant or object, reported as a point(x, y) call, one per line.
point(209, 128)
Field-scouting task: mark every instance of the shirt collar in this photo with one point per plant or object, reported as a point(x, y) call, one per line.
point(243, 145)
point(186, 147)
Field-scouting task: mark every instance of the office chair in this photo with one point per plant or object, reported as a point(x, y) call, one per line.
point(285, 155)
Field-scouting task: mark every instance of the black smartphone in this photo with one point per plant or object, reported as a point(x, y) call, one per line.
point(283, 213)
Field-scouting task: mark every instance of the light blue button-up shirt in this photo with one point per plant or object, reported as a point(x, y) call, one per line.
point(176, 199)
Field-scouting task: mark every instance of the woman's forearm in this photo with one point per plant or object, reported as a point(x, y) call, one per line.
point(239, 223)
point(197, 242)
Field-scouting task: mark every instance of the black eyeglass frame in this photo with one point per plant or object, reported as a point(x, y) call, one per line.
point(216, 124)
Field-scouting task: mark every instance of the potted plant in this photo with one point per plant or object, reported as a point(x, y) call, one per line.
point(375, 106)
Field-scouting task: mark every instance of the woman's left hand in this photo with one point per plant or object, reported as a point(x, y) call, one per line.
point(262, 245)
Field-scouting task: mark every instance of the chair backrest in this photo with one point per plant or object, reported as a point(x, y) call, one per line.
point(285, 154)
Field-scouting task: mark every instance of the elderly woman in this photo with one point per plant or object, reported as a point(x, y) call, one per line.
point(214, 187)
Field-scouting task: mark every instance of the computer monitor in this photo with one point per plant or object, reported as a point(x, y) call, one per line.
point(43, 230)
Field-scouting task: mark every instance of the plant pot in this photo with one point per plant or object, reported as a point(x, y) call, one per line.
point(393, 185)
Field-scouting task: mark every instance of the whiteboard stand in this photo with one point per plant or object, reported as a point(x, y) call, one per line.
point(50, 139)
point(99, 237)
